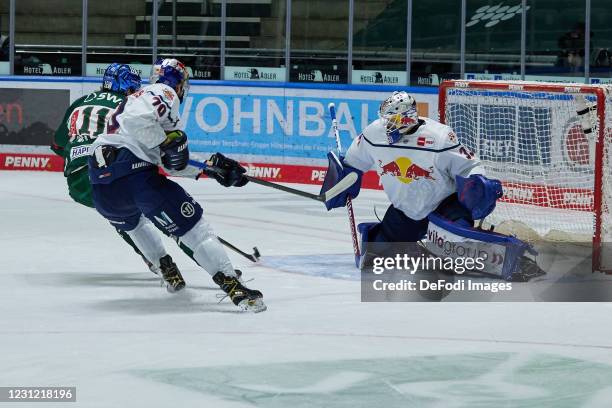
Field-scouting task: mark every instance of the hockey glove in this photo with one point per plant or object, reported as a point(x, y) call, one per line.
point(174, 151)
point(478, 194)
point(336, 171)
point(226, 171)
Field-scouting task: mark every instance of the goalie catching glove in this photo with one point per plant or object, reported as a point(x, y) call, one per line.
point(336, 171)
point(226, 171)
point(478, 194)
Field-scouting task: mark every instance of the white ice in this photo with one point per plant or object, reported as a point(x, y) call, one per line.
point(79, 308)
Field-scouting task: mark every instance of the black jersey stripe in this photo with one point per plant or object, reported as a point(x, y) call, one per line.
point(412, 147)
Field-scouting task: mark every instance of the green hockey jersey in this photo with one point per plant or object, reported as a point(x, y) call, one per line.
point(85, 119)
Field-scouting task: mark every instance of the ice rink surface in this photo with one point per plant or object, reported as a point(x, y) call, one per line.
point(79, 308)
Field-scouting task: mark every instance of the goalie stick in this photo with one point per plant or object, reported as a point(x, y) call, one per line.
point(328, 195)
point(349, 202)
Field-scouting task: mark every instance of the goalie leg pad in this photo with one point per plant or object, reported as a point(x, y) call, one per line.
point(367, 230)
point(500, 254)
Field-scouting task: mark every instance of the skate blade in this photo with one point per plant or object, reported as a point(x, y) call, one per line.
point(253, 305)
point(177, 288)
point(170, 288)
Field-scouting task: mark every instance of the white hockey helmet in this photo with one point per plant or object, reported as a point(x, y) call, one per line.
point(173, 73)
point(399, 114)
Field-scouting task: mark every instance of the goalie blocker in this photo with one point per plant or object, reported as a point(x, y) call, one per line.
point(338, 171)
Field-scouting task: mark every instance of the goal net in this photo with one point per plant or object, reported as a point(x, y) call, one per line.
point(551, 146)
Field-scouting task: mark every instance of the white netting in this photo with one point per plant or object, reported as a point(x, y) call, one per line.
point(535, 142)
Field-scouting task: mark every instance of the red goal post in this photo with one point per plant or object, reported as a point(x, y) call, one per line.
point(551, 145)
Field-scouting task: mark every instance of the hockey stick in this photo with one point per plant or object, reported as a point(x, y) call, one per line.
point(251, 257)
point(328, 195)
point(349, 202)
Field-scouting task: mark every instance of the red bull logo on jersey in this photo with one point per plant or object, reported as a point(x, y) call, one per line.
point(405, 170)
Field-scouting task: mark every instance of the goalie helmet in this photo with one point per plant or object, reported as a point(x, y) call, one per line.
point(399, 114)
point(120, 78)
point(173, 73)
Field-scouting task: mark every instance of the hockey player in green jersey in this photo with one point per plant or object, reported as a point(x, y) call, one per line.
point(84, 120)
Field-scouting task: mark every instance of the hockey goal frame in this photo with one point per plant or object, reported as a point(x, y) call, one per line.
point(600, 95)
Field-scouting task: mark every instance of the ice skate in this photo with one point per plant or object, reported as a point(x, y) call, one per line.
point(171, 275)
point(246, 299)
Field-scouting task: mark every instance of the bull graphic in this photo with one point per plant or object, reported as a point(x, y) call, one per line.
point(415, 172)
point(405, 171)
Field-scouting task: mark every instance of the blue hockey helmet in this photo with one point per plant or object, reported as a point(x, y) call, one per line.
point(173, 73)
point(120, 78)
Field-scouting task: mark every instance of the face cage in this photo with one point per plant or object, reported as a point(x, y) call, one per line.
point(396, 125)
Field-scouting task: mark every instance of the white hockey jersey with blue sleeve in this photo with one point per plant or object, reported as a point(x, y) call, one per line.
point(140, 124)
point(418, 171)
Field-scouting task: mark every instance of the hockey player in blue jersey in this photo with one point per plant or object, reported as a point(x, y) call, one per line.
point(142, 134)
point(84, 120)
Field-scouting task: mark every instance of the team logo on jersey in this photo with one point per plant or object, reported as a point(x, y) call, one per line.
point(405, 170)
point(79, 151)
point(187, 209)
point(169, 95)
point(424, 141)
point(165, 222)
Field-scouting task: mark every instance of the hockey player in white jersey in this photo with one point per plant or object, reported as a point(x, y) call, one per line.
point(142, 134)
point(423, 169)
